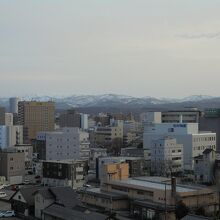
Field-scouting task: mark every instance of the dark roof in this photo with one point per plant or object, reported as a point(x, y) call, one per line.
point(207, 151)
point(70, 214)
point(153, 205)
point(199, 157)
point(45, 193)
point(65, 196)
point(102, 194)
point(195, 217)
point(28, 194)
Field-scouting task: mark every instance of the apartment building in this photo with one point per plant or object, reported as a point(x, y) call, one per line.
point(67, 143)
point(65, 173)
point(12, 166)
point(35, 117)
point(10, 135)
point(194, 141)
point(166, 157)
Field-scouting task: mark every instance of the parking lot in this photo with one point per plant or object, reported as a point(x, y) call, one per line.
point(7, 206)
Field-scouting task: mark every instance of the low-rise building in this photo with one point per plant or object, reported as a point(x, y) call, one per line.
point(151, 197)
point(204, 166)
point(12, 166)
point(71, 173)
point(27, 149)
point(137, 165)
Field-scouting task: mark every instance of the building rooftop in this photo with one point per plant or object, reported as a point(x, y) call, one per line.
point(103, 194)
point(68, 161)
point(71, 214)
point(154, 183)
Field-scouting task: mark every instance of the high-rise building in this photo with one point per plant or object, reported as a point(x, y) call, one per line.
point(12, 166)
point(2, 116)
point(35, 117)
point(84, 121)
point(13, 105)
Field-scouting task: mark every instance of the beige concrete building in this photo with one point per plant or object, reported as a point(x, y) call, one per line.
point(12, 166)
point(35, 117)
point(106, 135)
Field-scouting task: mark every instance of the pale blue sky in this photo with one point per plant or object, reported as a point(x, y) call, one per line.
point(161, 48)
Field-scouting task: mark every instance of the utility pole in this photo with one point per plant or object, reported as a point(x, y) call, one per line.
point(165, 201)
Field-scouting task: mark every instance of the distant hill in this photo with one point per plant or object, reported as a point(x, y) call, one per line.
point(123, 102)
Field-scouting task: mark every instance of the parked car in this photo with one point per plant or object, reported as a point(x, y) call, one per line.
point(7, 213)
point(3, 194)
point(26, 182)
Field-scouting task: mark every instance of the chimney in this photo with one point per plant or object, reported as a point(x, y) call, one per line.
point(173, 186)
point(181, 118)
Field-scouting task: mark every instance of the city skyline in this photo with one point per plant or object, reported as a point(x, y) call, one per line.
point(153, 48)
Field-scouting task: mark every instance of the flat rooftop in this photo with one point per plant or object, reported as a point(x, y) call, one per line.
point(155, 183)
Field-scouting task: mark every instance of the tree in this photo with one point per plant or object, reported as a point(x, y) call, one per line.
point(200, 211)
point(181, 210)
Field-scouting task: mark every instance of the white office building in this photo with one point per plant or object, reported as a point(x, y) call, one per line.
point(84, 121)
point(10, 136)
point(166, 156)
point(194, 141)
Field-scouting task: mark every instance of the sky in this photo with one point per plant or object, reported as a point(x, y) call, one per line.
point(160, 48)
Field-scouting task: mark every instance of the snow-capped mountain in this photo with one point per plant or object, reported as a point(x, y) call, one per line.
point(109, 100)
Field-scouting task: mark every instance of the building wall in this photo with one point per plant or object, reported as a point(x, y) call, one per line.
point(70, 143)
point(180, 117)
point(13, 104)
point(63, 173)
point(211, 124)
point(12, 166)
point(70, 118)
point(35, 117)
point(28, 152)
point(10, 135)
point(166, 156)
point(40, 204)
point(2, 116)
point(8, 119)
point(194, 142)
